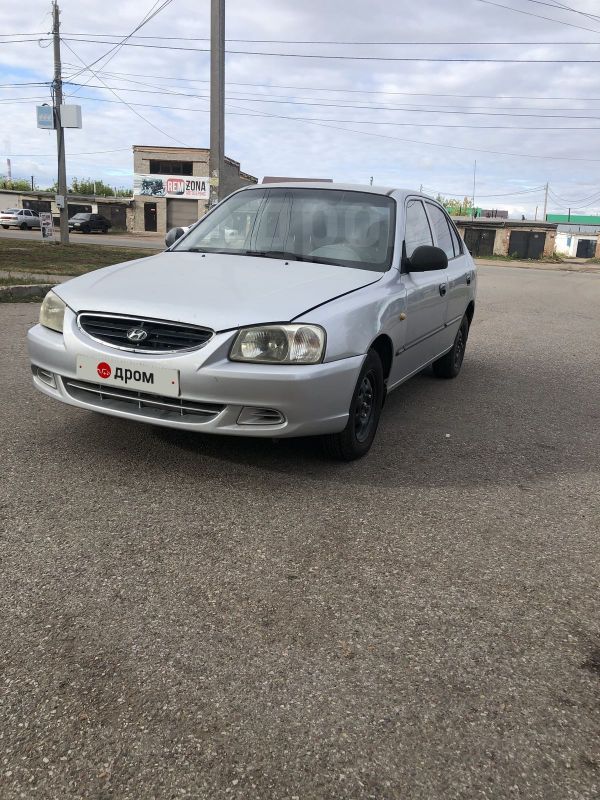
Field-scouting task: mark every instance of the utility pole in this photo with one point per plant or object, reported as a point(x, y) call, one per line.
point(32, 182)
point(473, 198)
point(57, 96)
point(545, 203)
point(217, 99)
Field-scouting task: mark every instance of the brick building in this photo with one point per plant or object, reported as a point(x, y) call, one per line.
point(171, 186)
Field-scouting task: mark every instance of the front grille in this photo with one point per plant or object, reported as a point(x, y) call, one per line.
point(147, 405)
point(161, 337)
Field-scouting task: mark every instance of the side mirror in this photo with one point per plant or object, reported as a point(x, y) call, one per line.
point(426, 258)
point(173, 235)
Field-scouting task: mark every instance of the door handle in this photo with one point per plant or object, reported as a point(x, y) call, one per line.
point(442, 287)
point(468, 280)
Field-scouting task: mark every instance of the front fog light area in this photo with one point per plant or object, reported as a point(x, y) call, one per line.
point(44, 376)
point(280, 344)
point(260, 416)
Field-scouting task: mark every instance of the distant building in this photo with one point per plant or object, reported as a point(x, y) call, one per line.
point(522, 239)
point(115, 209)
point(171, 186)
point(575, 219)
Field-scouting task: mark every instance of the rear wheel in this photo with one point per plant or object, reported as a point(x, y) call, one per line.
point(6, 227)
point(365, 409)
point(448, 366)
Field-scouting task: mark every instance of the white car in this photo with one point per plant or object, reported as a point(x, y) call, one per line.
point(288, 310)
point(22, 218)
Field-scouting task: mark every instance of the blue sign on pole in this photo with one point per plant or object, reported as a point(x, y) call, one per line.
point(45, 117)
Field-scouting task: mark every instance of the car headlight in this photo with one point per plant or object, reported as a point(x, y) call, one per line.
point(280, 344)
point(52, 312)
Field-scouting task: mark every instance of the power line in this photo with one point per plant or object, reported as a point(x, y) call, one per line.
point(114, 50)
point(352, 91)
point(120, 99)
point(562, 7)
point(256, 113)
point(326, 124)
point(489, 196)
point(538, 16)
point(400, 59)
point(23, 41)
point(411, 43)
point(52, 155)
point(404, 109)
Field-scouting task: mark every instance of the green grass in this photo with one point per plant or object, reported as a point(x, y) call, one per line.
point(18, 255)
point(19, 280)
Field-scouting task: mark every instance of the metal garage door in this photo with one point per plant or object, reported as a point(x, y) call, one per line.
point(526, 244)
point(586, 248)
point(480, 241)
point(181, 213)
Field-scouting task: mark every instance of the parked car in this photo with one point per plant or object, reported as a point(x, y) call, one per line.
point(326, 299)
point(22, 218)
point(88, 223)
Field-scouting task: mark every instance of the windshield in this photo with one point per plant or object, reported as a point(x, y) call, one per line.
point(81, 216)
point(328, 226)
point(11, 211)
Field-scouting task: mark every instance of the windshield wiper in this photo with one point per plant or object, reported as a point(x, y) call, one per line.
point(281, 254)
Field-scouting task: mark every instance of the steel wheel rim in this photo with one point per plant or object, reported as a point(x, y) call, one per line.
point(364, 407)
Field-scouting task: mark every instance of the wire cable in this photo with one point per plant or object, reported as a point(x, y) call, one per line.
point(129, 106)
point(329, 56)
point(538, 16)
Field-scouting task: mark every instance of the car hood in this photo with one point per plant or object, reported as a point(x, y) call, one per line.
point(215, 290)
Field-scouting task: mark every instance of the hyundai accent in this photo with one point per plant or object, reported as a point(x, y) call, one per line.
point(288, 310)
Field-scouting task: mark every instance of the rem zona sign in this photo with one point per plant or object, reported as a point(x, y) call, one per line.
point(184, 186)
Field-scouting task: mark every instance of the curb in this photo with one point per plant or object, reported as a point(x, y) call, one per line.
point(31, 291)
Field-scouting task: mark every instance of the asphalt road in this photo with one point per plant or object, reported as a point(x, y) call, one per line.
point(114, 240)
point(190, 617)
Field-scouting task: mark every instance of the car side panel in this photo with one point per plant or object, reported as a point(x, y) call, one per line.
point(354, 321)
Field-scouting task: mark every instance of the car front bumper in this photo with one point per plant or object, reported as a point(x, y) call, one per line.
point(311, 399)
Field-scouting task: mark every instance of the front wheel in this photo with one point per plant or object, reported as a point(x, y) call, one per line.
point(6, 227)
point(23, 226)
point(365, 409)
point(448, 366)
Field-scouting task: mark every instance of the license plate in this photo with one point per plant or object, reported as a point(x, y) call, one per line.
point(139, 376)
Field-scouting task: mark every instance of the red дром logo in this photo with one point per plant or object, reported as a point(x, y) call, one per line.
point(104, 369)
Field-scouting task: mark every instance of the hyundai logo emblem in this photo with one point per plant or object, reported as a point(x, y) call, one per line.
point(137, 334)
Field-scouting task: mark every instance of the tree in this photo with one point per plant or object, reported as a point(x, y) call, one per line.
point(96, 187)
point(457, 208)
point(17, 186)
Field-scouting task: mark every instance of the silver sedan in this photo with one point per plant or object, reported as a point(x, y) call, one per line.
point(22, 218)
point(288, 310)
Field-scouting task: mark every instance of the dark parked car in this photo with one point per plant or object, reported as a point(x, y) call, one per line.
point(87, 223)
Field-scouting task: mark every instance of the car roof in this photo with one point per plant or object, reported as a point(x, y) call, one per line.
point(350, 187)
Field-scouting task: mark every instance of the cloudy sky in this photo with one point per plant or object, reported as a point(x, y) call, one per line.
point(388, 95)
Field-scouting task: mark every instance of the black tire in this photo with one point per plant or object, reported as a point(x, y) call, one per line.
point(365, 409)
point(6, 227)
point(23, 226)
point(104, 229)
point(448, 366)
point(85, 229)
